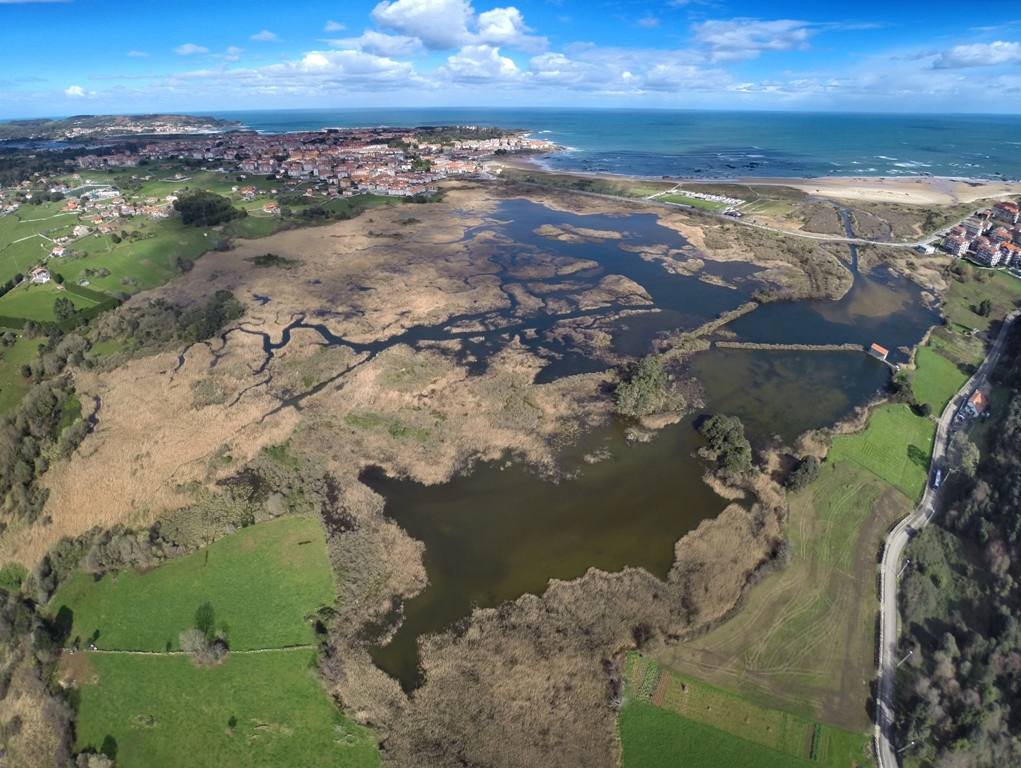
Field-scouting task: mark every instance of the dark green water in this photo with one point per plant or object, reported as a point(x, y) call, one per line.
point(787, 393)
point(503, 531)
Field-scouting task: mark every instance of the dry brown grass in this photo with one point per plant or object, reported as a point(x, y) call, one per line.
point(533, 682)
point(162, 429)
point(42, 739)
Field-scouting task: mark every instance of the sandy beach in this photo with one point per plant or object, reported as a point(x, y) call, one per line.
point(915, 190)
point(910, 190)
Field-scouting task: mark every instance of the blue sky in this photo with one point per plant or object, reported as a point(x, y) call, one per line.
point(100, 56)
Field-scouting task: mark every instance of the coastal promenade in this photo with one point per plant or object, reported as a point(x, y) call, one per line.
point(886, 751)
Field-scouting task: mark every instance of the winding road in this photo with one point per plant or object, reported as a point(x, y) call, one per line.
point(886, 751)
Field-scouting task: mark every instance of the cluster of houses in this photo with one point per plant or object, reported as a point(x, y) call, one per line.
point(380, 161)
point(991, 238)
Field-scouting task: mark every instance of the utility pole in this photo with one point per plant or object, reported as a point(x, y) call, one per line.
point(906, 657)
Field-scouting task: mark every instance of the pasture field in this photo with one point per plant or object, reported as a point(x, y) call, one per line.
point(896, 446)
point(261, 583)
point(261, 710)
point(26, 236)
point(35, 302)
point(1003, 290)
point(12, 384)
point(957, 346)
point(136, 263)
point(147, 704)
point(936, 378)
point(803, 639)
point(671, 719)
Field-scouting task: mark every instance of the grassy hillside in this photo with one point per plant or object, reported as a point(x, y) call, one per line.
point(803, 639)
point(261, 583)
point(936, 379)
point(258, 710)
point(896, 446)
point(263, 705)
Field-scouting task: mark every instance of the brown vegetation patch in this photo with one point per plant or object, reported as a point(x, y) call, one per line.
point(534, 680)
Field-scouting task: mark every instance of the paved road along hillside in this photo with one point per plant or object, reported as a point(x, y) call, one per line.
point(886, 751)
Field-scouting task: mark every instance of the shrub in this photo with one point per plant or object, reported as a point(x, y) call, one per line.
point(643, 389)
point(726, 445)
point(803, 474)
point(204, 650)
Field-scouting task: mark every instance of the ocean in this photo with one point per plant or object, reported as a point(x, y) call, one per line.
point(702, 144)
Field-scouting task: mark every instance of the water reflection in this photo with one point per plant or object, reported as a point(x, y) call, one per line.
point(503, 531)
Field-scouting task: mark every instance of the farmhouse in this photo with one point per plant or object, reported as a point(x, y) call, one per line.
point(977, 403)
point(39, 275)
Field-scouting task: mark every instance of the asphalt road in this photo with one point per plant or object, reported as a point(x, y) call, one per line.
point(886, 750)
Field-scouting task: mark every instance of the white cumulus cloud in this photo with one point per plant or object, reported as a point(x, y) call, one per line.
point(439, 24)
point(380, 44)
point(979, 55)
point(479, 63)
point(264, 36)
point(506, 26)
point(334, 26)
point(75, 91)
point(743, 38)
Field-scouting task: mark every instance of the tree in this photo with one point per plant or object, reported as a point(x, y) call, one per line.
point(643, 388)
point(964, 453)
point(58, 278)
point(205, 651)
point(985, 308)
point(63, 309)
point(206, 209)
point(726, 445)
point(806, 471)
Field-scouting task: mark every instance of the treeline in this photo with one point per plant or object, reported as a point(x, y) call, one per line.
point(159, 323)
point(46, 425)
point(206, 209)
point(240, 501)
point(35, 720)
point(959, 694)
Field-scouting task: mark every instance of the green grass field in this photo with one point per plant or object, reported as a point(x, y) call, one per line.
point(21, 246)
point(694, 202)
point(896, 446)
point(1003, 290)
point(264, 705)
point(803, 639)
point(12, 384)
point(35, 302)
point(958, 347)
point(135, 264)
point(160, 709)
point(261, 582)
point(670, 719)
point(936, 378)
